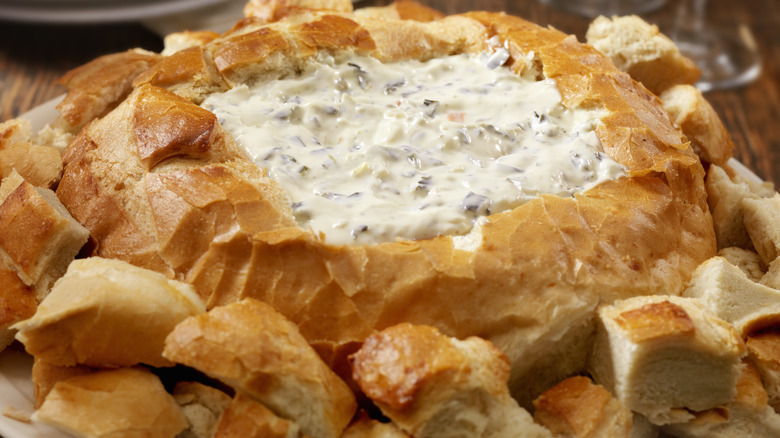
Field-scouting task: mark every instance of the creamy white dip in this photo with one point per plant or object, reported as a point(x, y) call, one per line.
point(370, 152)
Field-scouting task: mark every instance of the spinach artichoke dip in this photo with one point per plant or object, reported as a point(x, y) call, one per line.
point(369, 152)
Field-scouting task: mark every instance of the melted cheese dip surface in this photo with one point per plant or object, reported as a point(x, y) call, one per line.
point(370, 152)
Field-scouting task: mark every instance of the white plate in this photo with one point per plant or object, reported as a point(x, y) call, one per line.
point(95, 11)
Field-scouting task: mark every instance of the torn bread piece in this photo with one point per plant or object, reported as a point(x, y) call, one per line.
point(747, 416)
point(762, 222)
point(38, 163)
point(699, 122)
point(112, 403)
point(108, 313)
point(764, 352)
point(641, 50)
point(578, 408)
point(253, 348)
point(432, 385)
point(747, 260)
point(727, 292)
point(246, 417)
point(203, 407)
point(38, 236)
point(725, 194)
point(662, 356)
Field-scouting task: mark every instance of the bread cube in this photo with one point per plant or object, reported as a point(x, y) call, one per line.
point(699, 122)
point(747, 416)
point(40, 165)
point(725, 198)
point(108, 313)
point(662, 356)
point(641, 50)
point(576, 407)
point(762, 222)
point(256, 350)
point(119, 402)
point(38, 237)
point(432, 385)
point(725, 290)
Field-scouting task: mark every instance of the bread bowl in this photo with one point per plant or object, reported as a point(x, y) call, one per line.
point(188, 203)
point(171, 191)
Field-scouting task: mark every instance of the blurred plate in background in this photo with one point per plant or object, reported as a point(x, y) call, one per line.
point(95, 11)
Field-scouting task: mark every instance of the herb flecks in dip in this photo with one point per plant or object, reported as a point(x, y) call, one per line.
point(370, 152)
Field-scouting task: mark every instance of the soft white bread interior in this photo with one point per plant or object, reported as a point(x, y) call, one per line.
point(641, 50)
point(748, 415)
point(113, 403)
point(747, 260)
point(727, 292)
point(33, 158)
point(699, 122)
point(253, 348)
point(107, 313)
point(38, 236)
point(662, 356)
point(246, 417)
point(202, 406)
point(432, 385)
point(578, 408)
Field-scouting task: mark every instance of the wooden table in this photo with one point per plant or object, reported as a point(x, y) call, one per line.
point(32, 57)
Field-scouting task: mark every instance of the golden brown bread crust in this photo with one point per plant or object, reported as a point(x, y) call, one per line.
point(194, 208)
point(17, 302)
point(97, 86)
point(119, 402)
point(400, 366)
point(245, 417)
point(107, 313)
point(576, 407)
point(432, 385)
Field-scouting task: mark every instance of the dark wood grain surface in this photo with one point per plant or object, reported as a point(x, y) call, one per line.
point(33, 56)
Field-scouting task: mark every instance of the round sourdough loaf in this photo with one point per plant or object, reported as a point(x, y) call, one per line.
point(160, 184)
